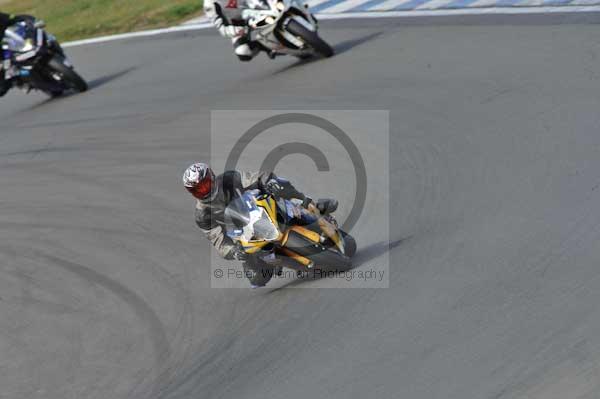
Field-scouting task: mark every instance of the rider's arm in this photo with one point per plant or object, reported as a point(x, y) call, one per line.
point(213, 10)
point(4, 23)
point(270, 182)
point(7, 20)
point(225, 247)
point(22, 17)
point(210, 9)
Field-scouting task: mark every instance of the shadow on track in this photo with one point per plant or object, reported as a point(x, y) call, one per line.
point(339, 48)
point(363, 256)
point(297, 64)
point(372, 251)
point(92, 84)
point(347, 45)
point(109, 78)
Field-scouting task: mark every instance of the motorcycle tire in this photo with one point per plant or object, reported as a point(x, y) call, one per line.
point(69, 76)
point(331, 260)
point(349, 247)
point(350, 244)
point(311, 38)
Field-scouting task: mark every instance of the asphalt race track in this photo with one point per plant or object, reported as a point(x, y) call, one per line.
point(495, 219)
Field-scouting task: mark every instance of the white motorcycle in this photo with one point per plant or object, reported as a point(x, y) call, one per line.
point(285, 27)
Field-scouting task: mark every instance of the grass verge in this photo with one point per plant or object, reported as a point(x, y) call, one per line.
point(79, 19)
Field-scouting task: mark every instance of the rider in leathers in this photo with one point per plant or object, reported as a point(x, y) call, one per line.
point(226, 15)
point(7, 20)
point(213, 194)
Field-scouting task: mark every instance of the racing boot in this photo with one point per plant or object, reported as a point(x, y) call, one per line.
point(7, 72)
point(4, 86)
point(257, 272)
point(245, 49)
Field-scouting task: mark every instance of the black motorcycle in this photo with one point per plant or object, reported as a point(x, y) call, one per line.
point(36, 61)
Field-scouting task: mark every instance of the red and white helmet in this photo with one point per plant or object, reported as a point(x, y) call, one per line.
point(199, 180)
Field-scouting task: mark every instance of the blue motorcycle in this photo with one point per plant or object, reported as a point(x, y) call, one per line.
point(35, 60)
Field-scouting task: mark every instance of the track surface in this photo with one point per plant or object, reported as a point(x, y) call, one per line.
point(494, 177)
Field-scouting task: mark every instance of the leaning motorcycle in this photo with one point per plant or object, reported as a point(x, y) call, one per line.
point(282, 233)
point(36, 61)
point(285, 27)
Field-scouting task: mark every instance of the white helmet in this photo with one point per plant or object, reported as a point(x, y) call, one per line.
point(199, 180)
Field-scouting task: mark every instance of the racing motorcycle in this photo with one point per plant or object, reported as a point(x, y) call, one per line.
point(284, 27)
point(282, 233)
point(35, 60)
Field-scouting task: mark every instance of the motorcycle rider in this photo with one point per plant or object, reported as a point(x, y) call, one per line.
point(7, 20)
point(226, 16)
point(213, 194)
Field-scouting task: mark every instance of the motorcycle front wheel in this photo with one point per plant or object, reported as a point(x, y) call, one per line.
point(349, 244)
point(311, 38)
point(68, 75)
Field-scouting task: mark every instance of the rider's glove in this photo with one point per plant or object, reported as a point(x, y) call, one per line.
point(275, 188)
point(237, 253)
point(307, 202)
point(227, 30)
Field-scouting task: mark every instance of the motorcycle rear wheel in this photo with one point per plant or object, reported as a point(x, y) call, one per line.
point(331, 260)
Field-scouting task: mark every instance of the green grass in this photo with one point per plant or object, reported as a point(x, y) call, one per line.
point(78, 19)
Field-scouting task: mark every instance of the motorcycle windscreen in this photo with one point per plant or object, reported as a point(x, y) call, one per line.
point(19, 38)
point(237, 214)
point(263, 228)
point(252, 223)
